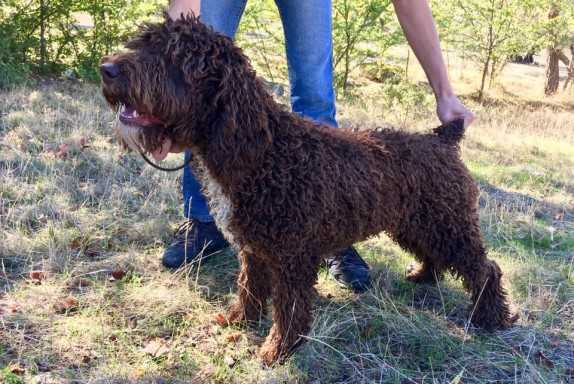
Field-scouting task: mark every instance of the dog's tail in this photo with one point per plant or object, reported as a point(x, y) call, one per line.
point(451, 133)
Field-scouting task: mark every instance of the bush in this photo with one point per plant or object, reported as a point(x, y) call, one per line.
point(52, 37)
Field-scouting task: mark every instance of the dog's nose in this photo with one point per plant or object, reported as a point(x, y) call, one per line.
point(109, 70)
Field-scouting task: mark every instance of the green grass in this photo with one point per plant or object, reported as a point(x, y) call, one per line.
point(95, 210)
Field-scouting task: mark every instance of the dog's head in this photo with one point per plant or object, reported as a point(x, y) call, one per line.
point(170, 85)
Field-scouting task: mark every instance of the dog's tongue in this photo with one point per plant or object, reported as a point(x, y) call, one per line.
point(162, 151)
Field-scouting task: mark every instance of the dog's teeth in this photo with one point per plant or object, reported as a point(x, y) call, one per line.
point(136, 114)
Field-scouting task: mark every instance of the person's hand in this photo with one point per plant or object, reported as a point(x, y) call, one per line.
point(450, 108)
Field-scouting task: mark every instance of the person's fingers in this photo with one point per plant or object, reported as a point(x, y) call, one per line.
point(451, 108)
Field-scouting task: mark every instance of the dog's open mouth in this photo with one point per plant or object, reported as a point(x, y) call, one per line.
point(143, 132)
point(129, 115)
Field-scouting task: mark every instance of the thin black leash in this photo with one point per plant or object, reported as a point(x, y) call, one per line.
point(147, 160)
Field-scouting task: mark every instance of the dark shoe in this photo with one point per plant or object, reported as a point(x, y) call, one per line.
point(193, 240)
point(350, 270)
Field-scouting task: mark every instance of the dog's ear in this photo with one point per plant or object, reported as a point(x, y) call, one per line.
point(149, 35)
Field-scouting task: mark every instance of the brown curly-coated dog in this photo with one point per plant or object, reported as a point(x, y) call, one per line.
point(286, 191)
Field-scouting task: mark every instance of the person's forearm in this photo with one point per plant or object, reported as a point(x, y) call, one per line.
point(418, 24)
point(179, 7)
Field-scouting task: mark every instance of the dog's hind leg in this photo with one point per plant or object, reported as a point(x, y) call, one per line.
point(481, 277)
point(456, 244)
point(293, 295)
point(425, 273)
point(254, 288)
point(428, 271)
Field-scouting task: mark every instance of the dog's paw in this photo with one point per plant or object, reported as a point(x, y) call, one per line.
point(418, 275)
point(238, 313)
point(269, 353)
point(494, 321)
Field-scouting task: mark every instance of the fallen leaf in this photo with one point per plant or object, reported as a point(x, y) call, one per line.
point(65, 305)
point(16, 369)
point(76, 244)
point(62, 151)
point(79, 282)
point(229, 361)
point(81, 143)
point(233, 337)
point(8, 307)
point(221, 320)
point(156, 347)
point(542, 359)
point(118, 274)
point(38, 275)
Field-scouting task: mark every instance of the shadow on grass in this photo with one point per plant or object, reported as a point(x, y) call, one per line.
point(523, 203)
point(513, 100)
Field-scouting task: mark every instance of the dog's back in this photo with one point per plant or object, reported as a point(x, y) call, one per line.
point(366, 182)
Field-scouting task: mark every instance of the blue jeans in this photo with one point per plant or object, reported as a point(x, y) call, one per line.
point(309, 46)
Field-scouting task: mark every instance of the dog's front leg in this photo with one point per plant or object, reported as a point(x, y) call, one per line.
point(254, 288)
point(293, 296)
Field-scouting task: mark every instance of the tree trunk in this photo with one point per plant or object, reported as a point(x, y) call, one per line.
point(42, 35)
point(483, 83)
point(489, 55)
point(553, 63)
point(570, 69)
point(552, 72)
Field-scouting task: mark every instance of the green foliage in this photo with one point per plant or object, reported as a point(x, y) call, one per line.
point(557, 31)
point(12, 70)
point(7, 377)
point(48, 37)
point(362, 31)
point(398, 91)
point(489, 32)
point(261, 36)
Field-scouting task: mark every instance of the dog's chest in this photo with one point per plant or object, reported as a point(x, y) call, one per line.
point(220, 205)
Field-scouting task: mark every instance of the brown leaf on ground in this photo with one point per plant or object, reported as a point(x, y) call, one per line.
point(65, 149)
point(156, 347)
point(38, 275)
point(62, 151)
point(79, 282)
point(7, 306)
point(542, 359)
point(76, 244)
point(221, 320)
point(118, 274)
point(65, 305)
point(233, 337)
point(16, 369)
point(81, 143)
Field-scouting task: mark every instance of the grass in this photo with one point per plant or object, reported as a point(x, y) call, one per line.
point(82, 213)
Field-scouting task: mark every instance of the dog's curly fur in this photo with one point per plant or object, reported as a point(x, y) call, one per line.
point(287, 191)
